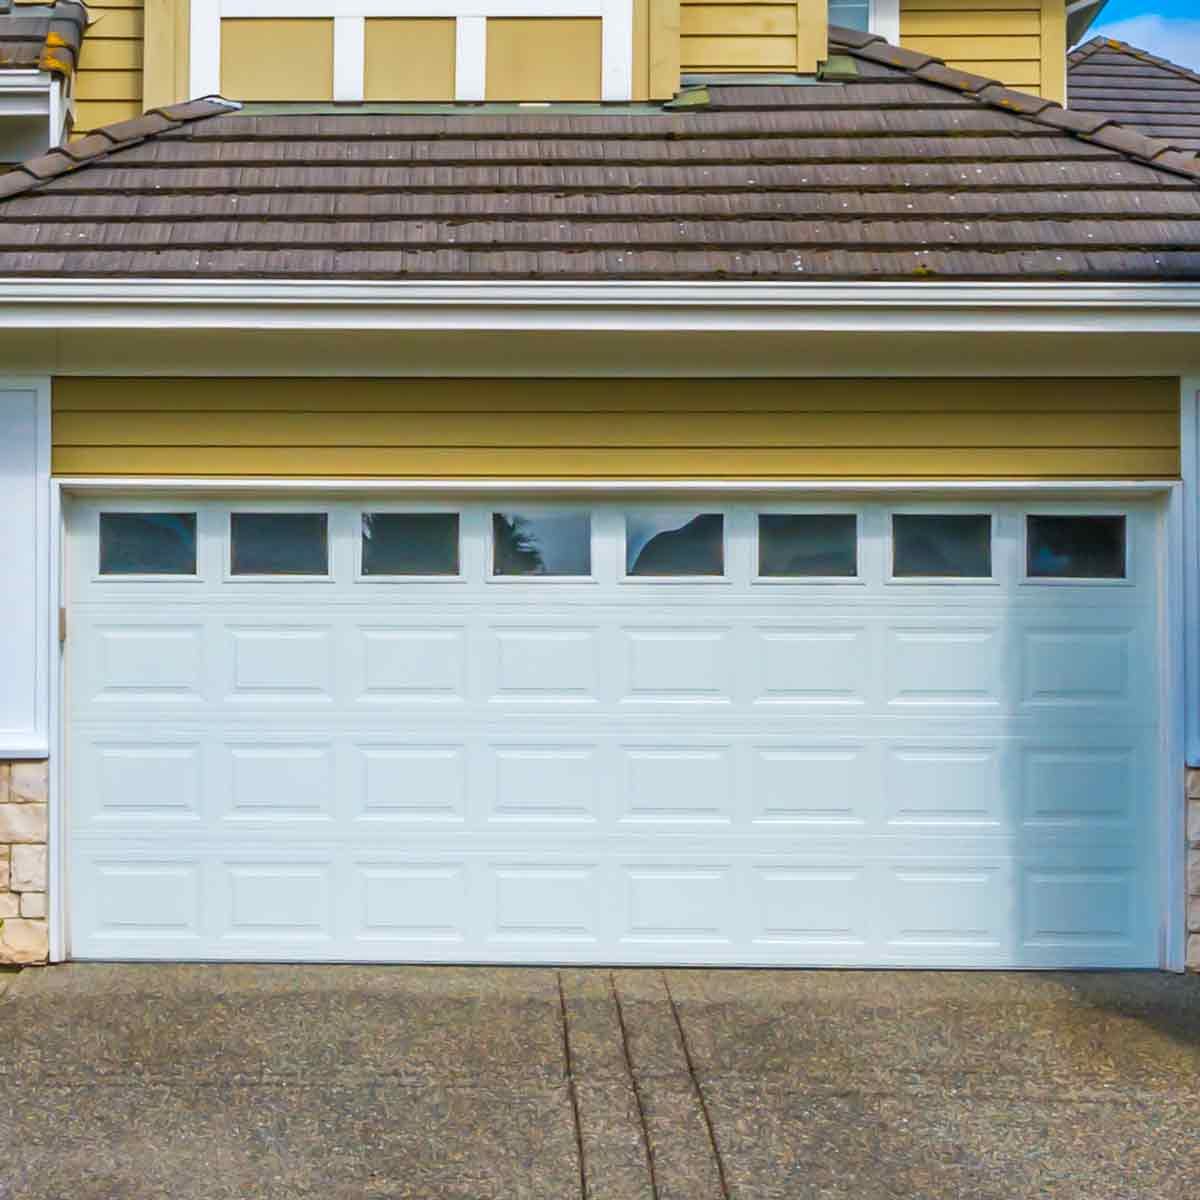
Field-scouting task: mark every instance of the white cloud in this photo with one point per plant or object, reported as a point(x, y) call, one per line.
point(1178, 40)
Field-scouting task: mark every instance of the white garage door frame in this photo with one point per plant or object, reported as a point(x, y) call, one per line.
point(1171, 617)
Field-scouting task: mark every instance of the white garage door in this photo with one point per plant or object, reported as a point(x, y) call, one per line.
point(634, 732)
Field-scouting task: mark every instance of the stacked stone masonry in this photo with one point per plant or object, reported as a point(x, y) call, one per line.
point(1193, 869)
point(24, 935)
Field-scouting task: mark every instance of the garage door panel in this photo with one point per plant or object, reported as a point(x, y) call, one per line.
point(625, 770)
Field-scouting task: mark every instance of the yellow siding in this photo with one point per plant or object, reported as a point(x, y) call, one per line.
point(753, 36)
point(543, 58)
point(767, 428)
point(108, 84)
point(1020, 42)
point(165, 78)
point(275, 58)
point(409, 59)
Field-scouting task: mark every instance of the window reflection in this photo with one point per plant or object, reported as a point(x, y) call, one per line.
point(942, 545)
point(795, 545)
point(545, 543)
point(672, 543)
point(1071, 547)
point(147, 543)
point(410, 543)
point(279, 543)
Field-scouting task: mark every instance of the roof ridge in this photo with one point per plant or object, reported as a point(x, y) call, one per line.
point(1088, 127)
point(1107, 43)
point(26, 176)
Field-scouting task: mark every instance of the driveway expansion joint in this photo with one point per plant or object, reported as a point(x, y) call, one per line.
point(572, 1090)
point(637, 1091)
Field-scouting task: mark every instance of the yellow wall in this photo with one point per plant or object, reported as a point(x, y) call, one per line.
point(760, 36)
point(697, 428)
point(108, 83)
point(277, 58)
point(543, 58)
point(409, 59)
point(1020, 42)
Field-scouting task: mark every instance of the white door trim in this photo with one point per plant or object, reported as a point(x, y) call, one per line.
point(1172, 627)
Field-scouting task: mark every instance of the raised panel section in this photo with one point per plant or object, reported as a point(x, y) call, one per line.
point(811, 784)
point(277, 58)
point(414, 783)
point(673, 903)
point(930, 910)
point(1077, 667)
point(546, 664)
point(943, 785)
point(160, 664)
point(813, 666)
point(148, 782)
point(1078, 785)
point(414, 665)
point(418, 902)
point(279, 901)
point(813, 905)
point(679, 664)
point(146, 899)
point(1078, 907)
point(281, 782)
point(956, 667)
point(679, 783)
point(545, 783)
point(545, 903)
point(282, 664)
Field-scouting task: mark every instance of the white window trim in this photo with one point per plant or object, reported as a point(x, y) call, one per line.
point(36, 93)
point(885, 20)
point(349, 27)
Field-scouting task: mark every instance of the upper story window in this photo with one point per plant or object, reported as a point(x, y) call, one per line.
point(850, 14)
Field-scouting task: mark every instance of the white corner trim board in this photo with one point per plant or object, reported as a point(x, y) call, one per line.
point(1189, 446)
point(24, 553)
point(600, 306)
point(349, 23)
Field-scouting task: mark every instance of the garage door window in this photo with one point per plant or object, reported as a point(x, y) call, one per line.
point(550, 544)
point(942, 546)
point(674, 544)
point(147, 543)
point(410, 544)
point(808, 545)
point(279, 543)
point(1075, 547)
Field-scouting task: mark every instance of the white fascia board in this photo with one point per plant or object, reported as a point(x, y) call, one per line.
point(601, 306)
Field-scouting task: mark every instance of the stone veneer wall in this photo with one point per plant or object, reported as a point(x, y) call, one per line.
point(24, 934)
point(1193, 869)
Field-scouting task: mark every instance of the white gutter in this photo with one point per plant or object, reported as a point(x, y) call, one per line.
point(599, 306)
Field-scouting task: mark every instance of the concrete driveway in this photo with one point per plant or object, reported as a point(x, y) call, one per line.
point(262, 1082)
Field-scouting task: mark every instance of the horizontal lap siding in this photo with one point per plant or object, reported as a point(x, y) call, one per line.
point(468, 428)
point(997, 38)
point(108, 84)
point(737, 37)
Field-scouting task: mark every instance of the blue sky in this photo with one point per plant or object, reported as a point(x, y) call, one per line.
point(1167, 27)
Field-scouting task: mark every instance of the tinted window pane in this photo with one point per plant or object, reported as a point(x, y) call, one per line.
point(664, 543)
point(557, 543)
point(280, 544)
point(410, 543)
point(800, 544)
point(850, 14)
point(151, 543)
point(1076, 547)
point(946, 545)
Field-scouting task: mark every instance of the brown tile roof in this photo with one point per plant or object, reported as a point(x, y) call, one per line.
point(1144, 92)
point(908, 170)
point(43, 37)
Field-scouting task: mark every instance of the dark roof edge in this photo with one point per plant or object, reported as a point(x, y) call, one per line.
point(1085, 50)
point(70, 157)
point(1098, 129)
